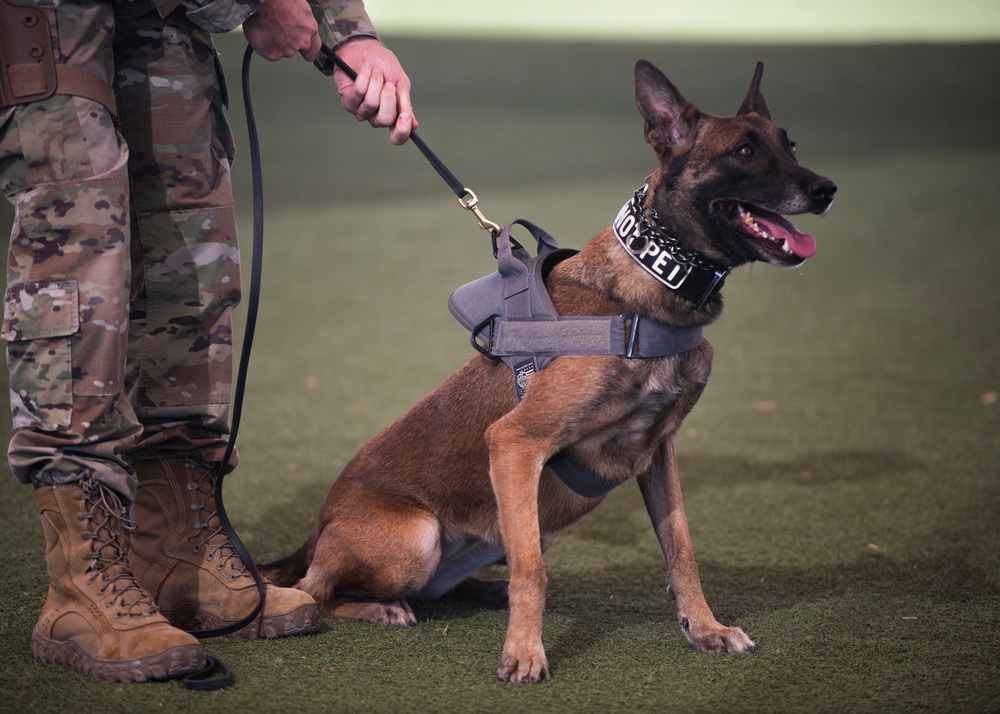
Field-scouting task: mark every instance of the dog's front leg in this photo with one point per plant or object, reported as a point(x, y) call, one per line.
point(661, 491)
point(515, 470)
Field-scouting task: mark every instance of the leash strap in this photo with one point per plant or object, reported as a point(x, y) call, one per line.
point(215, 674)
point(253, 304)
point(328, 59)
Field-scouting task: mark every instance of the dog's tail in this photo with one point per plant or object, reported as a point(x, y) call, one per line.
point(286, 572)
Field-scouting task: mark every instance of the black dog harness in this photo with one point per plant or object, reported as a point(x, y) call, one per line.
point(511, 317)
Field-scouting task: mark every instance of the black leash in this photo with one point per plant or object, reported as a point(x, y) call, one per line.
point(215, 674)
point(253, 305)
point(466, 196)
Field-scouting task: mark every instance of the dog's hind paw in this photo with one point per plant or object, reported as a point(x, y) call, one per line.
point(378, 612)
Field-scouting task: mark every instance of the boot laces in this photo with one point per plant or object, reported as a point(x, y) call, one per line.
point(108, 554)
point(214, 536)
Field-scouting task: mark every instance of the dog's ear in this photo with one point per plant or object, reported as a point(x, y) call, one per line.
point(670, 119)
point(754, 102)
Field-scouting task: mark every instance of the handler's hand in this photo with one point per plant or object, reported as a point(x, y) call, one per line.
point(280, 28)
point(381, 93)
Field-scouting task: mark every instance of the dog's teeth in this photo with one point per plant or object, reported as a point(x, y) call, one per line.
point(748, 220)
point(785, 247)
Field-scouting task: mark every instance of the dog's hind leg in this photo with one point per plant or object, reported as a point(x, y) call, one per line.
point(367, 559)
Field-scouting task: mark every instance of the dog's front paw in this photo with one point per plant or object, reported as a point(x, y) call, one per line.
point(717, 638)
point(530, 667)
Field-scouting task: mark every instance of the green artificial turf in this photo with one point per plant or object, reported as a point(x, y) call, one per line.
point(840, 473)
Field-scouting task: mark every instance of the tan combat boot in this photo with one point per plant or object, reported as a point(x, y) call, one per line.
point(98, 619)
point(184, 557)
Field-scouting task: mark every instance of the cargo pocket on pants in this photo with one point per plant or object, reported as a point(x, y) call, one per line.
point(39, 320)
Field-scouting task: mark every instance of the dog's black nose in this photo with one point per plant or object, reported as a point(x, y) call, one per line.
point(822, 190)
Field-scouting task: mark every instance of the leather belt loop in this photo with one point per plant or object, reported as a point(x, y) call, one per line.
point(28, 71)
point(82, 83)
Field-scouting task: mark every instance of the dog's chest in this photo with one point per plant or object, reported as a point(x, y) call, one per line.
point(644, 413)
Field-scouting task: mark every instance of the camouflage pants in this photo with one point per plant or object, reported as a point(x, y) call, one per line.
point(123, 268)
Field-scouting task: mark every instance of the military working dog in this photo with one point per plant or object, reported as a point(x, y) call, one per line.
point(460, 481)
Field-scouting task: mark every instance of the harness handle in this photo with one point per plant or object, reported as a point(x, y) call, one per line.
point(511, 255)
point(466, 196)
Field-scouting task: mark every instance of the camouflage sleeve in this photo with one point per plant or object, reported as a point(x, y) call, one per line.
point(340, 21)
point(212, 15)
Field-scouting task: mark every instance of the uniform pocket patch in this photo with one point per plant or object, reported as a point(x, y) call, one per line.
point(34, 311)
point(39, 319)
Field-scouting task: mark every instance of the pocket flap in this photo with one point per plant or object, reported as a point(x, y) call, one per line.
point(35, 311)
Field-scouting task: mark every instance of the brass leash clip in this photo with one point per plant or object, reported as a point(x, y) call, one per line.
point(470, 202)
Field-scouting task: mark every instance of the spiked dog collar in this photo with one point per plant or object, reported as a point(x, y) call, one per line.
point(660, 255)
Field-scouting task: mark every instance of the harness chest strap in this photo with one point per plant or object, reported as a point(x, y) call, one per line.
point(28, 70)
point(630, 336)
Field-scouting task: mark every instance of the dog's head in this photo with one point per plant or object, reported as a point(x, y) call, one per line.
point(725, 183)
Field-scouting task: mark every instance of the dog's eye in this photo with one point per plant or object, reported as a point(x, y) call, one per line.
point(745, 151)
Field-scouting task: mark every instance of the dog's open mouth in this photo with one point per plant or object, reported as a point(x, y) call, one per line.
point(773, 233)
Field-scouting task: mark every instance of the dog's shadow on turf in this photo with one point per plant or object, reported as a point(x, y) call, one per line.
point(740, 595)
point(817, 468)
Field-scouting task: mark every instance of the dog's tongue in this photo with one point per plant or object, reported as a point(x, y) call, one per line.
point(802, 244)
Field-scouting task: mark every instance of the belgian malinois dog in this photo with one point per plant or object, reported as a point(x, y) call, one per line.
point(459, 482)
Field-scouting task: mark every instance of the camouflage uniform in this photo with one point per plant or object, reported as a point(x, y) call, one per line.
point(123, 268)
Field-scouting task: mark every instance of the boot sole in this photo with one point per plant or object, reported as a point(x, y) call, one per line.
point(301, 621)
point(172, 663)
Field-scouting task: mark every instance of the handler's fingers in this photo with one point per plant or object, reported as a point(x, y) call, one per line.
point(403, 103)
point(386, 113)
point(314, 47)
point(375, 98)
point(352, 92)
point(401, 129)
